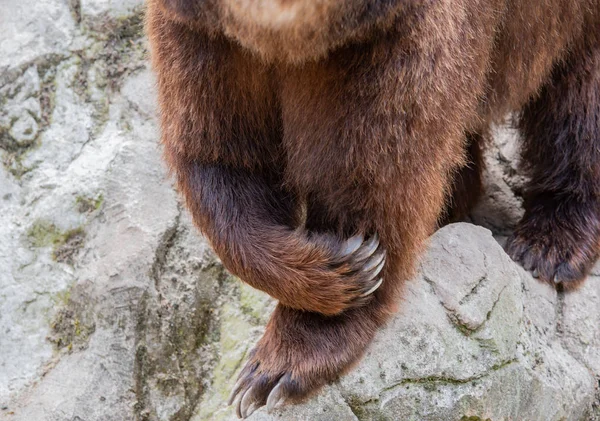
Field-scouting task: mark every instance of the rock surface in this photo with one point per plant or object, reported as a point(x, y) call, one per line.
point(112, 307)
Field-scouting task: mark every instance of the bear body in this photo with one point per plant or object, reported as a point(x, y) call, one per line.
point(318, 143)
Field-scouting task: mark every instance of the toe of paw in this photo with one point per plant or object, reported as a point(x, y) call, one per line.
point(365, 262)
point(276, 396)
point(252, 393)
point(569, 275)
point(514, 248)
point(550, 266)
point(356, 251)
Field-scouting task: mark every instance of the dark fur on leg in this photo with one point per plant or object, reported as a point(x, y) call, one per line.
point(559, 236)
point(250, 220)
point(467, 186)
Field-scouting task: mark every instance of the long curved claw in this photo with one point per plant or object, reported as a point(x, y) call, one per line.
point(352, 244)
point(367, 249)
point(275, 397)
point(378, 269)
point(374, 261)
point(244, 403)
point(253, 407)
point(373, 289)
point(234, 392)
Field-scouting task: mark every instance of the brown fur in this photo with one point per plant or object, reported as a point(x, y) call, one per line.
point(356, 111)
point(559, 237)
point(467, 185)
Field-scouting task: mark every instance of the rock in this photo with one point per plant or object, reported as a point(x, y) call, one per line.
point(91, 10)
point(24, 130)
point(501, 206)
point(21, 112)
point(113, 307)
point(469, 341)
point(33, 30)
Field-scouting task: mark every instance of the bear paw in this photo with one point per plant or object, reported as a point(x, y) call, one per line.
point(361, 262)
point(299, 353)
point(559, 244)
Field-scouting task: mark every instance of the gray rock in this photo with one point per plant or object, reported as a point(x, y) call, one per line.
point(117, 9)
point(500, 208)
point(112, 306)
point(24, 130)
point(476, 336)
point(33, 29)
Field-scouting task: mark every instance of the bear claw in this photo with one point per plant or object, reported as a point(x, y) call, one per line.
point(352, 244)
point(245, 403)
point(373, 289)
point(374, 262)
point(552, 251)
point(367, 249)
point(275, 397)
point(234, 391)
point(247, 397)
point(364, 261)
point(361, 260)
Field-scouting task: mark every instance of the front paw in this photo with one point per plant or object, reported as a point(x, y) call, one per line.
point(359, 262)
point(299, 353)
point(321, 273)
point(293, 359)
point(258, 386)
point(557, 242)
point(343, 276)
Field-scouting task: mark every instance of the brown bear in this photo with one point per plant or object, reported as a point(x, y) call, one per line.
point(318, 143)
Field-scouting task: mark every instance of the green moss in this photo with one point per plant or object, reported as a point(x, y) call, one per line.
point(77, 326)
point(235, 335)
point(99, 201)
point(43, 233)
point(68, 245)
point(65, 245)
point(89, 204)
point(255, 303)
point(13, 162)
point(128, 27)
point(356, 406)
point(71, 327)
point(74, 321)
point(62, 298)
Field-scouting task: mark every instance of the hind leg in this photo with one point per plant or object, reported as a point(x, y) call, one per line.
point(467, 186)
point(559, 236)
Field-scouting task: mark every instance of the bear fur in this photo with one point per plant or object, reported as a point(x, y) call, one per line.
point(318, 143)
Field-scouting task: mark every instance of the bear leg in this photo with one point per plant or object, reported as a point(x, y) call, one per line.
point(467, 185)
point(300, 352)
point(559, 236)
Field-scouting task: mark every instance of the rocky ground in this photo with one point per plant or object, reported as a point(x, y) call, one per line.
point(112, 307)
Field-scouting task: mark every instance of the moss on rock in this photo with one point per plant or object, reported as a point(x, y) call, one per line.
point(65, 245)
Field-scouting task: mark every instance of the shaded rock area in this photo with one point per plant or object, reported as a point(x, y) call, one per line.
point(112, 306)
